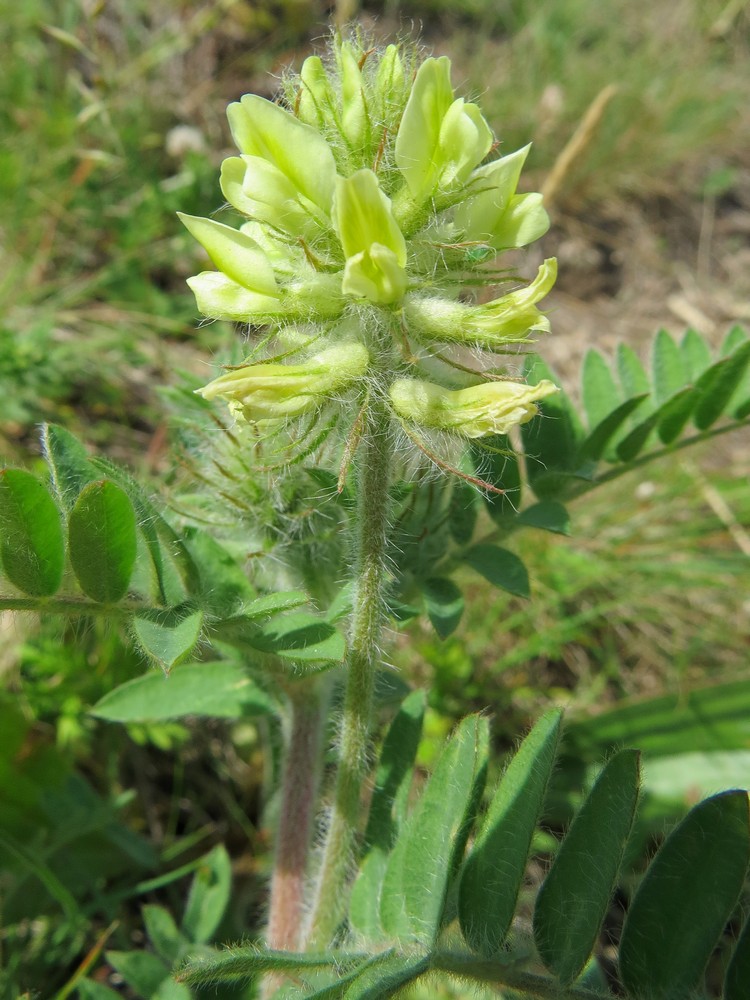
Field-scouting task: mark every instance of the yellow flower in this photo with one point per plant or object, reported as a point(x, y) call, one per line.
point(272, 391)
point(489, 408)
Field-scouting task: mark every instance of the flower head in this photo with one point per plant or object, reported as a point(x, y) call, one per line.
point(366, 204)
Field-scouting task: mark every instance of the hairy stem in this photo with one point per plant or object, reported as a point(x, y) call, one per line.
point(375, 459)
point(299, 788)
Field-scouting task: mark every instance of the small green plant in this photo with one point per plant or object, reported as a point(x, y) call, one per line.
point(377, 442)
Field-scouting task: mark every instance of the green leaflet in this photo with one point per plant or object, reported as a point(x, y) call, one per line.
point(573, 899)
point(142, 970)
point(445, 604)
point(667, 367)
point(501, 567)
point(600, 392)
point(696, 354)
point(218, 690)
point(685, 899)
point(69, 464)
point(102, 541)
point(243, 963)
point(168, 637)
point(164, 934)
point(424, 858)
point(717, 385)
point(209, 896)
point(387, 812)
point(31, 536)
point(493, 872)
point(550, 515)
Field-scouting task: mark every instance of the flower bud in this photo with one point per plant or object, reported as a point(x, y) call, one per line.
point(372, 242)
point(495, 214)
point(440, 140)
point(489, 408)
point(287, 172)
point(508, 319)
point(269, 391)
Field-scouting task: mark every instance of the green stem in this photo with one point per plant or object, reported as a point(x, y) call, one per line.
point(529, 983)
point(375, 460)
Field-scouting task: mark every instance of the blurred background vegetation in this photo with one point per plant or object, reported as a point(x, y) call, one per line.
point(112, 119)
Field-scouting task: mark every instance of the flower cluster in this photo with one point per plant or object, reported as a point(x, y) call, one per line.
point(368, 208)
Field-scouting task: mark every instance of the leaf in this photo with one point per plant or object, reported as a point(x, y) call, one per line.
point(600, 393)
point(685, 899)
point(574, 897)
point(462, 513)
point(696, 354)
point(598, 442)
point(221, 586)
point(492, 874)
point(387, 812)
point(445, 604)
point(551, 441)
point(273, 604)
point(633, 378)
point(172, 574)
point(31, 537)
point(501, 567)
point(169, 636)
point(674, 414)
point(550, 515)
point(737, 979)
point(394, 773)
point(301, 636)
point(631, 445)
point(425, 857)
point(141, 970)
point(220, 690)
point(667, 367)
point(209, 896)
point(102, 541)
point(69, 465)
point(247, 962)
point(717, 385)
point(164, 934)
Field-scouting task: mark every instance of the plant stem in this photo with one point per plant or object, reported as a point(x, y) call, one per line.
point(299, 790)
point(375, 460)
